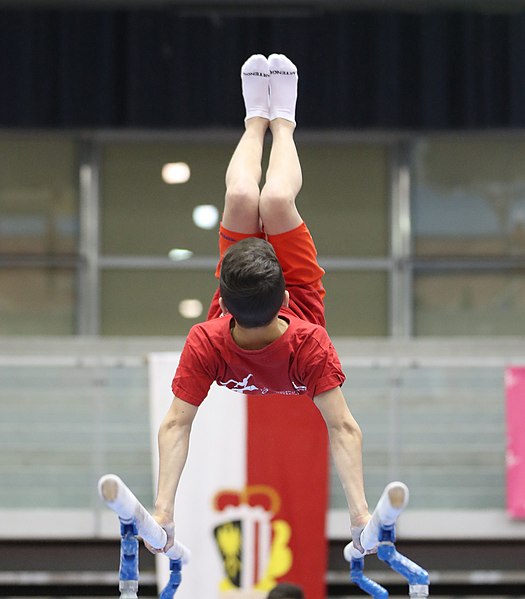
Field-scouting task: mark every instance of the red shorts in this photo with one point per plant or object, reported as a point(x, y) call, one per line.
point(295, 251)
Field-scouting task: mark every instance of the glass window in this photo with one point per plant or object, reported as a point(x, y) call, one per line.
point(62, 426)
point(356, 303)
point(169, 302)
point(37, 301)
point(38, 195)
point(367, 392)
point(38, 224)
point(344, 201)
point(468, 303)
point(469, 197)
point(141, 214)
point(439, 429)
point(450, 429)
point(150, 302)
point(345, 198)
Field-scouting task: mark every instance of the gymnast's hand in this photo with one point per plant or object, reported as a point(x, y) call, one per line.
point(167, 523)
point(358, 524)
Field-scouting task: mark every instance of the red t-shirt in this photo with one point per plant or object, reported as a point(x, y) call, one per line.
point(302, 361)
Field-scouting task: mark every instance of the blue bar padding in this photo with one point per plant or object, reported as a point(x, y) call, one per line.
point(175, 578)
point(365, 584)
point(387, 534)
point(401, 564)
point(129, 552)
point(388, 553)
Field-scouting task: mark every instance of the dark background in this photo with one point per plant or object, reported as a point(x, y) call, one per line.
point(169, 67)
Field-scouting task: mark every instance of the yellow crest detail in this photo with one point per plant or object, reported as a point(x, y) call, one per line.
point(254, 547)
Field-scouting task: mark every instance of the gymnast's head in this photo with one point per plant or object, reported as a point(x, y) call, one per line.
point(251, 282)
point(285, 590)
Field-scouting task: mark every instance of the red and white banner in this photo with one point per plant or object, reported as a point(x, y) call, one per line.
point(252, 501)
point(515, 395)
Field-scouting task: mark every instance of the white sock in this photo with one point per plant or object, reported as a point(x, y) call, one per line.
point(283, 87)
point(255, 75)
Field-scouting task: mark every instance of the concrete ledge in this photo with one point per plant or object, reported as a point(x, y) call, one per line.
point(416, 525)
point(440, 525)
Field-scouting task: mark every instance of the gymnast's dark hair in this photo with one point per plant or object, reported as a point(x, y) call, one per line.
point(285, 590)
point(251, 282)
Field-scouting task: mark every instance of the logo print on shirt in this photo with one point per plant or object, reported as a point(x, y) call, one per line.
point(299, 388)
point(240, 387)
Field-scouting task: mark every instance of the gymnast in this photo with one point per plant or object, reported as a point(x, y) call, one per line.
point(265, 331)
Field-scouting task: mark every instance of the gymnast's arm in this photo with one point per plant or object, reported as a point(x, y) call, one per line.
point(174, 439)
point(346, 448)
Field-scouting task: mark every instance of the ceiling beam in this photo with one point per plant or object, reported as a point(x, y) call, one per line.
point(255, 7)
